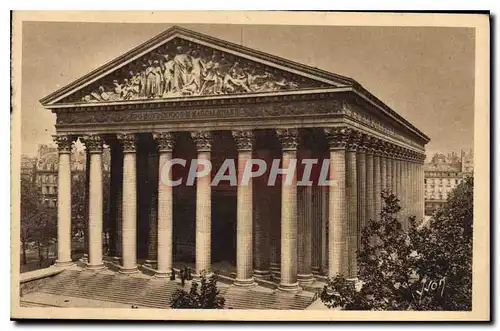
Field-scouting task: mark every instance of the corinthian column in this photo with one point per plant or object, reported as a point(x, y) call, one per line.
point(165, 142)
point(244, 248)
point(263, 208)
point(337, 217)
point(377, 177)
point(352, 201)
point(129, 204)
point(304, 240)
point(64, 201)
point(289, 141)
point(389, 168)
point(369, 193)
point(203, 142)
point(93, 144)
point(383, 168)
point(362, 201)
point(394, 175)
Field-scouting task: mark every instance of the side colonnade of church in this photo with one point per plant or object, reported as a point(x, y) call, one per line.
point(320, 227)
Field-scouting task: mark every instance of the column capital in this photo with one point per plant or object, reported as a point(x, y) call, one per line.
point(289, 138)
point(164, 140)
point(377, 145)
point(64, 143)
point(93, 143)
point(386, 149)
point(363, 146)
point(337, 137)
point(243, 139)
point(354, 141)
point(128, 141)
point(202, 140)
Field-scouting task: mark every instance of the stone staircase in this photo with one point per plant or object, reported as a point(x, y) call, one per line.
point(136, 291)
point(142, 291)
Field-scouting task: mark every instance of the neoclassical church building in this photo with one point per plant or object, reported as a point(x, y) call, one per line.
point(185, 95)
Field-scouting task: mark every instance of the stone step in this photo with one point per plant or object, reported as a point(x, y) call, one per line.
point(157, 293)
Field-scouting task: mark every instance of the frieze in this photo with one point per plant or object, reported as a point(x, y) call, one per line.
point(355, 113)
point(246, 111)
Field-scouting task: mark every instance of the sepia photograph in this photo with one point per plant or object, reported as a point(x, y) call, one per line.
point(250, 166)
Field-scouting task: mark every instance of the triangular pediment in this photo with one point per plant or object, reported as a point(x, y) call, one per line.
point(183, 63)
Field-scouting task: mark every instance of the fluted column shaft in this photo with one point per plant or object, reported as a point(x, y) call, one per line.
point(305, 227)
point(153, 208)
point(244, 228)
point(337, 209)
point(369, 193)
point(399, 179)
point(362, 201)
point(389, 173)
point(64, 201)
point(316, 241)
point(116, 178)
point(352, 203)
point(394, 176)
point(288, 282)
point(262, 194)
point(94, 148)
point(203, 142)
point(129, 204)
point(412, 187)
point(377, 185)
point(165, 142)
point(421, 195)
point(404, 192)
point(383, 173)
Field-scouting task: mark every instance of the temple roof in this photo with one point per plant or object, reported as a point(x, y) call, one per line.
point(184, 64)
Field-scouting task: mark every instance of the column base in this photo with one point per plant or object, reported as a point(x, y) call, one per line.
point(305, 279)
point(63, 264)
point(289, 287)
point(85, 258)
point(161, 274)
point(316, 270)
point(95, 266)
point(150, 263)
point(117, 260)
point(274, 267)
point(261, 274)
point(128, 271)
point(250, 282)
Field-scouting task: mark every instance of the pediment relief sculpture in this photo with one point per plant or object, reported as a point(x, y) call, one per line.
point(182, 68)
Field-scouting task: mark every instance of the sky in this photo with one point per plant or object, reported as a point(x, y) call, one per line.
point(426, 74)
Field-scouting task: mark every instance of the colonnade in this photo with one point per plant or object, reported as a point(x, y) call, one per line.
point(319, 231)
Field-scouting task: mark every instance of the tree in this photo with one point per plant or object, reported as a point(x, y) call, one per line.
point(38, 221)
point(445, 248)
point(426, 268)
point(207, 297)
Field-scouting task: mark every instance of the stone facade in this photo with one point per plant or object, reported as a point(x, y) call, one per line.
point(299, 232)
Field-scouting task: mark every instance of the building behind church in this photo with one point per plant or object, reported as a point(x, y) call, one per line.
point(442, 174)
